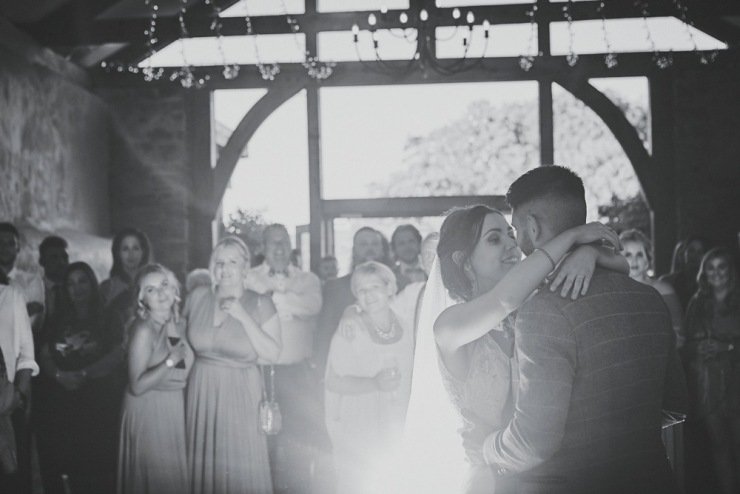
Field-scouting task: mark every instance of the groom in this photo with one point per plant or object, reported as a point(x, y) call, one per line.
point(594, 373)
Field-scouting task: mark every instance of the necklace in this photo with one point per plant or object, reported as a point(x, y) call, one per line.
point(390, 335)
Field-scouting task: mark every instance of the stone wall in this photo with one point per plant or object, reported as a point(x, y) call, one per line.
point(707, 152)
point(54, 151)
point(149, 173)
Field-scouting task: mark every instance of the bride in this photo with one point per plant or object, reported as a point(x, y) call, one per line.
point(463, 371)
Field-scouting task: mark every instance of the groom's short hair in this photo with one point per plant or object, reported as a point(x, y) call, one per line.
point(556, 187)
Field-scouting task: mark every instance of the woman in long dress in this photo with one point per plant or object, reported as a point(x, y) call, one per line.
point(77, 404)
point(232, 330)
point(478, 280)
point(712, 350)
point(368, 381)
point(151, 453)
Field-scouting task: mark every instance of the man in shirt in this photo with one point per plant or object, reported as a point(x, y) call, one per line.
point(406, 247)
point(54, 259)
point(16, 347)
point(30, 284)
point(297, 298)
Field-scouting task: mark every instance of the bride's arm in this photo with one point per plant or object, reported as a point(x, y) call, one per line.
point(463, 323)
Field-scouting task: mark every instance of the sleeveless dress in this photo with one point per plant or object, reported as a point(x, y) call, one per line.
point(485, 397)
point(365, 428)
point(227, 451)
point(151, 452)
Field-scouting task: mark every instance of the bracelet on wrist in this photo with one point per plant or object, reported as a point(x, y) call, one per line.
point(547, 255)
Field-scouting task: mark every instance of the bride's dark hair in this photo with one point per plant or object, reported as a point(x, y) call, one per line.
point(460, 232)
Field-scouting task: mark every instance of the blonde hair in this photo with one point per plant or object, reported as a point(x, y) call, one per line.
point(230, 241)
point(142, 311)
point(373, 268)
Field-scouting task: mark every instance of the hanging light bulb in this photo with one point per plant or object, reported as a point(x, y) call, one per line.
point(456, 13)
point(424, 15)
point(403, 18)
point(355, 32)
point(383, 9)
point(486, 28)
point(372, 20)
point(470, 17)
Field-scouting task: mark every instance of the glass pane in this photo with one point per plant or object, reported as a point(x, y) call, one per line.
point(264, 7)
point(354, 5)
point(426, 140)
point(632, 96)
point(345, 228)
point(272, 180)
point(505, 40)
point(629, 35)
point(585, 144)
point(393, 44)
point(283, 48)
point(229, 107)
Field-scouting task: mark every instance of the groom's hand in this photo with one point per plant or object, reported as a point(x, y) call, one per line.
point(473, 438)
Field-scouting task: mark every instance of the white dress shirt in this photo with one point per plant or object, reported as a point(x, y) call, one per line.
point(16, 339)
point(297, 298)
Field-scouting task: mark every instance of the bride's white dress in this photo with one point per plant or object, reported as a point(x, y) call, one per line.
point(441, 406)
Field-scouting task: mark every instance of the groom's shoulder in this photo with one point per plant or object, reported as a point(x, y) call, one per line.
point(617, 287)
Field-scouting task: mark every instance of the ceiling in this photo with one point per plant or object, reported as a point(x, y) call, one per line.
point(88, 32)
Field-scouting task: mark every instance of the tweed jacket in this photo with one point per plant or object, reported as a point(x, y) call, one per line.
point(594, 376)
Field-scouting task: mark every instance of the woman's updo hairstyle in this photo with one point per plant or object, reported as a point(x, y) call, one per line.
point(458, 237)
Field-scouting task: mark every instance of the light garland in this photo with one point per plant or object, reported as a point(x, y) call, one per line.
point(425, 40)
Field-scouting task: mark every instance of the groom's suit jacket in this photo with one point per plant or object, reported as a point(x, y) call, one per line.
point(594, 374)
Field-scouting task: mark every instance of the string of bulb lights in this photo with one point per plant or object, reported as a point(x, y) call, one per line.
point(418, 28)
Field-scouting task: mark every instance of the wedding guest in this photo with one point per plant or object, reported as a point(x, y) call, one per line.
point(30, 284)
point(18, 365)
point(638, 250)
point(406, 248)
point(79, 394)
point(683, 278)
point(232, 330)
point(32, 288)
point(368, 380)
point(328, 268)
point(151, 451)
point(368, 244)
point(130, 250)
point(712, 340)
point(54, 259)
point(196, 278)
point(297, 298)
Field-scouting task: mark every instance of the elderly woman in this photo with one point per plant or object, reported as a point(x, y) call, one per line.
point(712, 341)
point(232, 330)
point(638, 250)
point(151, 451)
point(368, 379)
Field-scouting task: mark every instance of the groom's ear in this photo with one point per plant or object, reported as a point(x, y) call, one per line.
point(534, 227)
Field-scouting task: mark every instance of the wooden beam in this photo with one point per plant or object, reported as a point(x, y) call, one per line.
point(492, 69)
point(406, 207)
point(547, 133)
point(199, 21)
point(624, 132)
point(201, 211)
